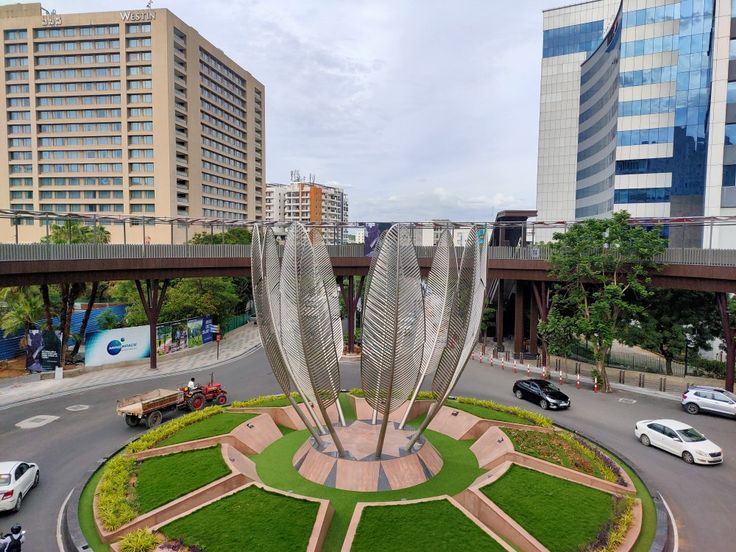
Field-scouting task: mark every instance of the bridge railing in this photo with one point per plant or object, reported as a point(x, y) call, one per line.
point(78, 252)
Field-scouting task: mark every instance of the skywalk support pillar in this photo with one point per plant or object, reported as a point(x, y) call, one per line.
point(350, 298)
point(541, 301)
point(499, 317)
point(152, 299)
point(533, 320)
point(519, 319)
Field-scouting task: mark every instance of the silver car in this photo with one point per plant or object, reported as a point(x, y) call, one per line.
point(709, 399)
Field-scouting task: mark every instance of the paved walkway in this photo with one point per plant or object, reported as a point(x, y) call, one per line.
point(14, 391)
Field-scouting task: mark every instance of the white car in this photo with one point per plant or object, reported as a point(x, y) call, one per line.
point(679, 439)
point(16, 481)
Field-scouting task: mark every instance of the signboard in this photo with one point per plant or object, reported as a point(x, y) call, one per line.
point(111, 346)
point(194, 332)
point(207, 329)
point(373, 231)
point(163, 339)
point(43, 352)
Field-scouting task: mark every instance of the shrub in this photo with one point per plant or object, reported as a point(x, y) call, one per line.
point(536, 419)
point(357, 392)
point(614, 531)
point(264, 400)
point(140, 540)
point(611, 470)
point(150, 439)
point(115, 506)
point(421, 396)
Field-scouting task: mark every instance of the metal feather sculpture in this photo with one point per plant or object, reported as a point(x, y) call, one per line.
point(307, 324)
point(393, 326)
point(438, 293)
point(262, 273)
point(464, 324)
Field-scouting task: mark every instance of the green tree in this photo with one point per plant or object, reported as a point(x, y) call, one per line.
point(232, 236)
point(24, 308)
point(602, 267)
point(670, 318)
point(488, 320)
point(108, 320)
point(72, 232)
point(559, 333)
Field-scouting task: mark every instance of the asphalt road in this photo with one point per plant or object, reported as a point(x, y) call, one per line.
point(700, 496)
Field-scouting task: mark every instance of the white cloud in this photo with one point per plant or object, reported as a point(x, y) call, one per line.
point(390, 98)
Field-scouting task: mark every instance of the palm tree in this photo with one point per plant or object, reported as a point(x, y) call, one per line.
point(25, 307)
point(72, 232)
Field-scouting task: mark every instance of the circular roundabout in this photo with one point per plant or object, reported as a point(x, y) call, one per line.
point(250, 477)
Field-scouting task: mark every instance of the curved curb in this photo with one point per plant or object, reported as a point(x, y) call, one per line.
point(666, 534)
point(71, 536)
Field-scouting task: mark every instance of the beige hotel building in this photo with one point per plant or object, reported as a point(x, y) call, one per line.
point(125, 113)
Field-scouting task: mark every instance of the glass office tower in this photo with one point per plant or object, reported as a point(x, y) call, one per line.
point(635, 113)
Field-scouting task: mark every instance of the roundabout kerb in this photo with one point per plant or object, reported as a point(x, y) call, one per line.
point(492, 450)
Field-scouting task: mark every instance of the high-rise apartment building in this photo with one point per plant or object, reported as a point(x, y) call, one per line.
point(129, 112)
point(638, 112)
point(305, 201)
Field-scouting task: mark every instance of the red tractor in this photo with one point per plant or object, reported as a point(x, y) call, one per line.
point(198, 397)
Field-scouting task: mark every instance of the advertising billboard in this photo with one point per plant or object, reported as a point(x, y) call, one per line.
point(163, 339)
point(110, 346)
point(207, 333)
point(194, 332)
point(43, 352)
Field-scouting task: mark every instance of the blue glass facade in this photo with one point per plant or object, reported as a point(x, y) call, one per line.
point(693, 91)
point(597, 124)
point(646, 107)
point(643, 136)
point(656, 14)
point(648, 76)
point(645, 166)
point(642, 195)
point(649, 46)
point(572, 39)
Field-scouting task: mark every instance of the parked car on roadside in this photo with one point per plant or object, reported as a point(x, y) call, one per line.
point(679, 439)
point(709, 399)
point(542, 392)
point(16, 481)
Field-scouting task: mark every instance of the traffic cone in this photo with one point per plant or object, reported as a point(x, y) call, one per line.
point(514, 367)
point(595, 385)
point(577, 383)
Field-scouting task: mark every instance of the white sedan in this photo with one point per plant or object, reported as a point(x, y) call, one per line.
point(679, 439)
point(16, 481)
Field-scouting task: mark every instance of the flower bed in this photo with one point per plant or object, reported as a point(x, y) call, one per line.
point(525, 415)
point(115, 502)
point(565, 450)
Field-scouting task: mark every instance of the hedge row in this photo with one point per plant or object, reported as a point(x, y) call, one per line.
point(264, 400)
point(536, 419)
point(115, 505)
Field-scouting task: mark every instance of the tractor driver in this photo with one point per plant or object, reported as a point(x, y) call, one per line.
point(191, 385)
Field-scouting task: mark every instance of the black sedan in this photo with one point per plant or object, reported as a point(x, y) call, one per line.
point(546, 394)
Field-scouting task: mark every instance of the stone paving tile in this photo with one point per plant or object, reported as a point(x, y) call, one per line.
point(232, 345)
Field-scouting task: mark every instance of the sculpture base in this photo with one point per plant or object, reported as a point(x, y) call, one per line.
point(359, 469)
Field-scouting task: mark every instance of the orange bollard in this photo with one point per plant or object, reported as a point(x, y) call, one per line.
point(560, 377)
point(514, 367)
point(528, 371)
point(577, 383)
point(502, 364)
point(595, 385)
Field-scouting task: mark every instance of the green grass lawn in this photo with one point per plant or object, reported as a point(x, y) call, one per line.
point(347, 408)
point(418, 527)
point(165, 478)
point(87, 514)
point(209, 427)
point(252, 519)
point(563, 516)
point(274, 467)
point(487, 413)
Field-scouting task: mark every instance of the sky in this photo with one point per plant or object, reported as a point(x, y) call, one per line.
point(420, 109)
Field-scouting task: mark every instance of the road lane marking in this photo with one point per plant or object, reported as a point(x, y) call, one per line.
point(627, 401)
point(59, 518)
point(77, 407)
point(36, 421)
